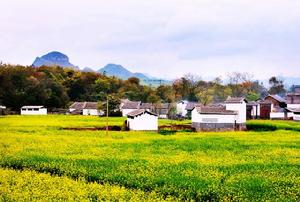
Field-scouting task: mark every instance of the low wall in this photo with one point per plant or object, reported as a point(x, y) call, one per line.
point(217, 126)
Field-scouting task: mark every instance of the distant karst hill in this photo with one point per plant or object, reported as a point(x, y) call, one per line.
point(120, 72)
point(56, 58)
point(53, 58)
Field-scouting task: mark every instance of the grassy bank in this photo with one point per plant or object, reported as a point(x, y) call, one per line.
point(272, 125)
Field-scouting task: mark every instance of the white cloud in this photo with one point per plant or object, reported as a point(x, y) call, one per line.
point(161, 37)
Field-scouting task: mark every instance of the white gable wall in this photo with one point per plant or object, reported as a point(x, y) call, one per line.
point(143, 122)
point(240, 108)
point(180, 108)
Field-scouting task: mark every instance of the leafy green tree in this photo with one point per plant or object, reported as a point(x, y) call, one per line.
point(276, 86)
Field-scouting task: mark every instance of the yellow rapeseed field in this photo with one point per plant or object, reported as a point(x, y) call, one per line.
point(39, 161)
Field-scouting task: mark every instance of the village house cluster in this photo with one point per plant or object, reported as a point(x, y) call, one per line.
point(229, 115)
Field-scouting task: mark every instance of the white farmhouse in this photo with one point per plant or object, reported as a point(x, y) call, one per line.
point(142, 119)
point(91, 109)
point(129, 107)
point(33, 110)
point(230, 116)
point(213, 118)
point(85, 108)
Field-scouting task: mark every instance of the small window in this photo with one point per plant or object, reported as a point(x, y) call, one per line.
point(36, 109)
point(210, 120)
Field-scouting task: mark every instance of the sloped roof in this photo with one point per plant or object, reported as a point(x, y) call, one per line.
point(162, 106)
point(124, 100)
point(146, 106)
point(139, 112)
point(131, 105)
point(90, 105)
point(77, 105)
point(33, 107)
point(214, 110)
point(295, 110)
point(277, 98)
point(191, 105)
point(84, 105)
point(235, 100)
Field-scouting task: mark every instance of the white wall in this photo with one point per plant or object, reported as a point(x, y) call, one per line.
point(92, 112)
point(240, 108)
point(255, 109)
point(143, 122)
point(296, 117)
point(126, 111)
point(280, 115)
point(290, 114)
point(180, 108)
point(42, 111)
point(294, 106)
point(212, 118)
point(277, 115)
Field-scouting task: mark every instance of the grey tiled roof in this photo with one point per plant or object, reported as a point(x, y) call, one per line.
point(191, 105)
point(90, 105)
point(294, 110)
point(84, 105)
point(277, 97)
point(77, 105)
point(131, 105)
point(214, 110)
point(139, 112)
point(235, 100)
point(146, 106)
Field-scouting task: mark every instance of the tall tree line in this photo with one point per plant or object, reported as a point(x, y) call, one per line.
point(56, 87)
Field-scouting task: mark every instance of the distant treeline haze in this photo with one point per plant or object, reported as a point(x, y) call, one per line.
point(56, 87)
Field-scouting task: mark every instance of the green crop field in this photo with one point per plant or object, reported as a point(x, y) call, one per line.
point(40, 161)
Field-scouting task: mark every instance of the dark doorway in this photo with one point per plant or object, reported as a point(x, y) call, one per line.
point(265, 110)
point(249, 109)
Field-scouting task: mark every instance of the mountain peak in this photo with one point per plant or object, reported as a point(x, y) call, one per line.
point(53, 58)
point(116, 70)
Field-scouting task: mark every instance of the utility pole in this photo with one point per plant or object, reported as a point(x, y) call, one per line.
point(107, 115)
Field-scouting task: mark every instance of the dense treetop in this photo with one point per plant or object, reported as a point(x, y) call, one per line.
point(56, 87)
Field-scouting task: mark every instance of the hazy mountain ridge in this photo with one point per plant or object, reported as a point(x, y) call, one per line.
point(121, 72)
point(56, 58)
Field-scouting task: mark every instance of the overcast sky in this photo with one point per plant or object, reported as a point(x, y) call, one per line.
point(164, 38)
